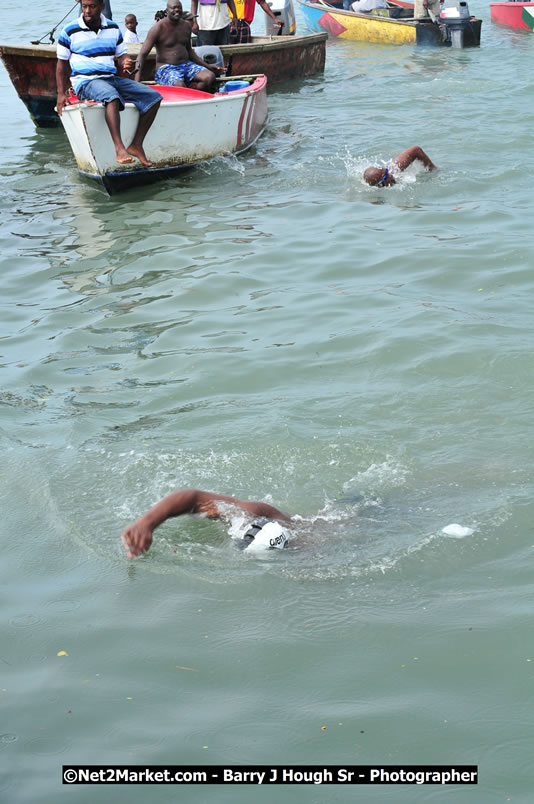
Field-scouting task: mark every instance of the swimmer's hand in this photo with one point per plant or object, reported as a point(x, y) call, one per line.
point(137, 538)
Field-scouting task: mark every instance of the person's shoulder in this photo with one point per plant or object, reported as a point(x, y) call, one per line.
point(111, 24)
point(71, 27)
point(155, 30)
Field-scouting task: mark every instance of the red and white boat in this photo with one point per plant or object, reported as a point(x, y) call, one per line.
point(514, 14)
point(190, 127)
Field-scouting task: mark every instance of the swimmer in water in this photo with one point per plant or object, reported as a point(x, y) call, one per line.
point(383, 177)
point(265, 532)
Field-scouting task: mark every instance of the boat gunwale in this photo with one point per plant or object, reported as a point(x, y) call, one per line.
point(261, 43)
point(228, 96)
point(411, 23)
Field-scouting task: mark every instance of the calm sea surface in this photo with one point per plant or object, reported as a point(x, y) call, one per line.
point(267, 326)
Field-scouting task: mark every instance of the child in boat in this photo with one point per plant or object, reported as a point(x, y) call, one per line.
point(130, 34)
point(383, 176)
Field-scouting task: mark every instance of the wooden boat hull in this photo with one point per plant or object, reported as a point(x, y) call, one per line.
point(515, 15)
point(32, 68)
point(191, 127)
point(359, 27)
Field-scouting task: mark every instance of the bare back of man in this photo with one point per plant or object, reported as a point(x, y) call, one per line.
point(176, 62)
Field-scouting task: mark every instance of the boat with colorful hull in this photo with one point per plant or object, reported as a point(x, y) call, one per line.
point(515, 15)
point(32, 68)
point(191, 126)
point(394, 25)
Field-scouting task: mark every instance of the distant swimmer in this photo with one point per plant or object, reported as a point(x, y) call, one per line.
point(266, 530)
point(383, 176)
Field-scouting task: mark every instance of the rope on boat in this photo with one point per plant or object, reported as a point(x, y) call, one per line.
point(51, 33)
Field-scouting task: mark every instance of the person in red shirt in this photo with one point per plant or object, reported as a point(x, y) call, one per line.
point(240, 27)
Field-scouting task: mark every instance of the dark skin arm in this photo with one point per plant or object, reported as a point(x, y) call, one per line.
point(152, 40)
point(148, 44)
point(269, 13)
point(231, 8)
point(63, 83)
point(137, 537)
point(406, 158)
point(194, 12)
point(124, 65)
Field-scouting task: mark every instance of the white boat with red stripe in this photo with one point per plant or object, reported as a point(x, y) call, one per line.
point(190, 127)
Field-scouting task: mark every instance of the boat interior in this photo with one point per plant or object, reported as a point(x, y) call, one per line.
point(393, 11)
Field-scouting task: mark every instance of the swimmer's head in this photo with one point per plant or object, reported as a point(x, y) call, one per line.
point(265, 534)
point(379, 177)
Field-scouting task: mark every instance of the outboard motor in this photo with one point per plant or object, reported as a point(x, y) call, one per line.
point(455, 17)
point(211, 54)
point(283, 10)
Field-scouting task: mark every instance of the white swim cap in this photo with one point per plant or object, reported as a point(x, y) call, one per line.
point(266, 536)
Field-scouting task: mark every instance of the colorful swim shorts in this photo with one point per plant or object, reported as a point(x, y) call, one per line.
point(172, 74)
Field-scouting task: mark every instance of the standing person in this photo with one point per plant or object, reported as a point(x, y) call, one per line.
point(213, 25)
point(383, 176)
point(130, 23)
point(87, 50)
point(177, 64)
point(240, 27)
point(265, 532)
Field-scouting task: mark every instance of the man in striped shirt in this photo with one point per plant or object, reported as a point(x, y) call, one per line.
point(87, 52)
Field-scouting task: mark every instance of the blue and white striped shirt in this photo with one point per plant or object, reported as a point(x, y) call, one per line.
point(91, 53)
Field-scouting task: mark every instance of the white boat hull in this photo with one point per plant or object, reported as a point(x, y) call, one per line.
point(185, 132)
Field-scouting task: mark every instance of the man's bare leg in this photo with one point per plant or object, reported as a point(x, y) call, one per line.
point(113, 121)
point(204, 81)
point(145, 121)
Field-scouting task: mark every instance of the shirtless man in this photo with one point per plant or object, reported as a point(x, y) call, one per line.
point(177, 64)
point(383, 177)
point(267, 532)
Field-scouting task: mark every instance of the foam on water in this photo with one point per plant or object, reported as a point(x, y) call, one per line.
point(371, 527)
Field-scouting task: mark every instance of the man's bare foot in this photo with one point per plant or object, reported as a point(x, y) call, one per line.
point(123, 157)
point(136, 150)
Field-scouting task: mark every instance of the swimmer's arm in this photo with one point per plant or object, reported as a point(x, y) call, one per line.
point(137, 537)
point(406, 158)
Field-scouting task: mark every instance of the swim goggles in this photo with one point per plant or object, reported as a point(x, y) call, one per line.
point(383, 179)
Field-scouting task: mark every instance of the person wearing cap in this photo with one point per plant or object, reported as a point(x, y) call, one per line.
point(384, 176)
point(268, 529)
